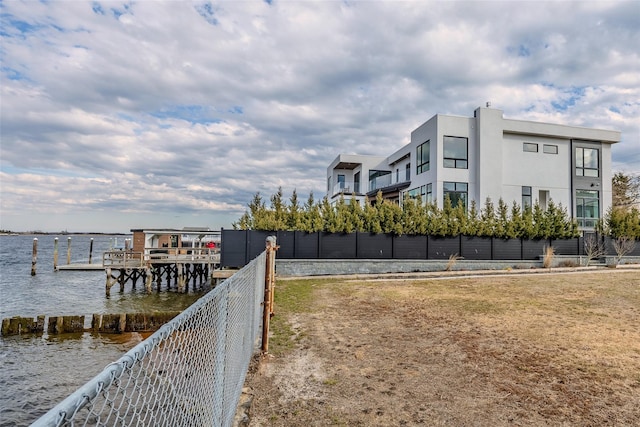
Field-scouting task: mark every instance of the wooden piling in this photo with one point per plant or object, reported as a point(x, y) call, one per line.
point(55, 254)
point(91, 250)
point(68, 250)
point(269, 286)
point(34, 258)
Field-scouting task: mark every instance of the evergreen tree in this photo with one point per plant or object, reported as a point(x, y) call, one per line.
point(279, 212)
point(329, 217)
point(411, 216)
point(487, 219)
point(439, 225)
point(515, 228)
point(371, 218)
point(295, 217)
point(502, 220)
point(473, 222)
point(356, 215)
point(312, 215)
point(541, 226)
point(528, 225)
point(390, 217)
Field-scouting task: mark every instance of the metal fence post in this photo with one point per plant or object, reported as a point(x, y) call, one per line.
point(269, 284)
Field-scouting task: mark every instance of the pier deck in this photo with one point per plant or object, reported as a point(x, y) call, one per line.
point(80, 267)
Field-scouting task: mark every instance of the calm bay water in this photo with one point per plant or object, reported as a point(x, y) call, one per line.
point(37, 372)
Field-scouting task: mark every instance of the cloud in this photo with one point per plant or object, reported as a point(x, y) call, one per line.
point(181, 111)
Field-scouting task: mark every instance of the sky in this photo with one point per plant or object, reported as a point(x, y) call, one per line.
point(168, 114)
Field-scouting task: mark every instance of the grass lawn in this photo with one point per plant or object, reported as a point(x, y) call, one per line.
point(541, 349)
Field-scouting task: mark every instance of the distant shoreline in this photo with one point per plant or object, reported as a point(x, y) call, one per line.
point(62, 233)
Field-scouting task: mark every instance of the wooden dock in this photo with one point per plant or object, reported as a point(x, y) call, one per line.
point(175, 267)
point(80, 267)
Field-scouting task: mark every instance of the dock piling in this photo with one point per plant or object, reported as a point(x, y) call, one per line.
point(91, 250)
point(34, 258)
point(68, 250)
point(55, 254)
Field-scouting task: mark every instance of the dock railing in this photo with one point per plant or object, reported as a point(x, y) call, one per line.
point(131, 259)
point(191, 371)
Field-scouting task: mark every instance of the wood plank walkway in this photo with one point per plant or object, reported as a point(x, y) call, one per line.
point(81, 267)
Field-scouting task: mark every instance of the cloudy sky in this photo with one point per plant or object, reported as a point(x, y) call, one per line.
point(119, 115)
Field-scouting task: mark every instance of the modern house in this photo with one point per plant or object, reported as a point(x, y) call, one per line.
point(487, 156)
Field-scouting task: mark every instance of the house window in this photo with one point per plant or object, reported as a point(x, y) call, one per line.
point(457, 192)
point(455, 152)
point(422, 158)
point(587, 162)
point(425, 193)
point(397, 174)
point(407, 172)
point(550, 149)
point(529, 147)
point(356, 182)
point(587, 208)
point(341, 181)
point(526, 197)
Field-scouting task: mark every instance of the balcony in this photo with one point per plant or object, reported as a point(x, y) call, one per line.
point(347, 187)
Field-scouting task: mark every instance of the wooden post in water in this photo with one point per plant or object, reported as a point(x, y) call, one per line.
point(68, 250)
point(34, 258)
point(55, 254)
point(91, 250)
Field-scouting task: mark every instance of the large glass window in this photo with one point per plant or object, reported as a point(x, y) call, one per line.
point(587, 160)
point(457, 192)
point(526, 197)
point(356, 182)
point(341, 181)
point(407, 172)
point(587, 208)
point(422, 158)
point(425, 192)
point(455, 152)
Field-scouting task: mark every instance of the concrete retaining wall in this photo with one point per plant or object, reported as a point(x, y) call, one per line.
point(326, 267)
point(321, 267)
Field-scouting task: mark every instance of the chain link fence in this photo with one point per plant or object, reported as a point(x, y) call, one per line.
point(188, 373)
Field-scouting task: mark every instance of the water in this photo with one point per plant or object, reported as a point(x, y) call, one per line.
point(37, 372)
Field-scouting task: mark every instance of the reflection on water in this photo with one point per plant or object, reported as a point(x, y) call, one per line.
point(37, 372)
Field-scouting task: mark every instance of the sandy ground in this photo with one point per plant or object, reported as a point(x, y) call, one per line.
point(556, 350)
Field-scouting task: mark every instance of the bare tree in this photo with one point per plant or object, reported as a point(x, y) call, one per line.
point(623, 245)
point(593, 248)
point(626, 190)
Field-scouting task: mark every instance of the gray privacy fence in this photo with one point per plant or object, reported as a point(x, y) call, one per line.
point(188, 373)
point(239, 246)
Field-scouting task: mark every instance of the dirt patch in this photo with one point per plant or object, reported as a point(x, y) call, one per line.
point(490, 351)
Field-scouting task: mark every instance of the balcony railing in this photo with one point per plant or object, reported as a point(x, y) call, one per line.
point(348, 187)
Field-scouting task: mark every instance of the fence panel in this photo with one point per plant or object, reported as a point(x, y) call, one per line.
point(306, 245)
point(337, 245)
point(476, 248)
point(566, 246)
point(374, 245)
point(443, 247)
point(188, 373)
point(234, 248)
point(507, 249)
point(532, 249)
point(410, 247)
